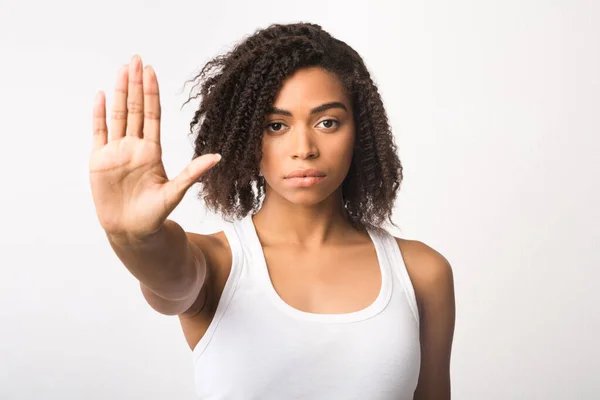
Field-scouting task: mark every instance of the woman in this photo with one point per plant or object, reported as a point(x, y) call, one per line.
point(303, 294)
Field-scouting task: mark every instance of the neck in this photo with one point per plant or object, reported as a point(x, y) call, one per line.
point(304, 225)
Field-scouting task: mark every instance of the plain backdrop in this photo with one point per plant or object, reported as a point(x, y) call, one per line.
point(495, 110)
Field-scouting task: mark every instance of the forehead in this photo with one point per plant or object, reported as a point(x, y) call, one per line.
point(308, 88)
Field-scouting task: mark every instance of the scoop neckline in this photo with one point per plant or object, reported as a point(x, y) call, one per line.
point(370, 311)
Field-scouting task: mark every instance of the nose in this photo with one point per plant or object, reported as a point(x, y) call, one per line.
point(304, 146)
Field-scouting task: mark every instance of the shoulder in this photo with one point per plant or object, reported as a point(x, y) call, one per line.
point(207, 244)
point(213, 249)
point(432, 278)
point(429, 271)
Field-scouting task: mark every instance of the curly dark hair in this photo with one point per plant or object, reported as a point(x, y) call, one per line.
point(238, 88)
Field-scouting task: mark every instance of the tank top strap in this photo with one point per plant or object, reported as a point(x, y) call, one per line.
point(231, 285)
point(395, 260)
point(250, 247)
point(380, 238)
point(230, 230)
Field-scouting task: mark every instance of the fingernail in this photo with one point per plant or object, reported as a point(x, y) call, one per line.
point(217, 158)
point(151, 71)
point(136, 61)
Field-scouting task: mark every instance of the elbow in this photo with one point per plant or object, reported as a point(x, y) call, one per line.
point(174, 298)
point(166, 306)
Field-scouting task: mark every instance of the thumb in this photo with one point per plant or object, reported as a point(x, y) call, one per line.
point(182, 182)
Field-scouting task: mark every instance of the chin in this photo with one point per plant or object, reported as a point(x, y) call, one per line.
point(305, 200)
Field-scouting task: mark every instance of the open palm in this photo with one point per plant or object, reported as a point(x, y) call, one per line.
point(132, 193)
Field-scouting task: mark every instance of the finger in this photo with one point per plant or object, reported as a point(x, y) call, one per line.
point(118, 121)
point(135, 99)
point(100, 129)
point(152, 109)
point(177, 187)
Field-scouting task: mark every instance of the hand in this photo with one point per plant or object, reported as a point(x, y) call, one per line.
point(132, 194)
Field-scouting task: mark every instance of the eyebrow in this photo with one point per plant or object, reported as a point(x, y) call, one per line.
point(321, 108)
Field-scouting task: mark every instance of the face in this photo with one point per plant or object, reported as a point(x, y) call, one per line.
point(309, 131)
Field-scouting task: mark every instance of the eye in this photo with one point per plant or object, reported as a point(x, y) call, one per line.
point(274, 126)
point(329, 123)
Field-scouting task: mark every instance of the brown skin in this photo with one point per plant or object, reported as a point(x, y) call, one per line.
point(429, 271)
point(303, 140)
point(308, 244)
point(317, 262)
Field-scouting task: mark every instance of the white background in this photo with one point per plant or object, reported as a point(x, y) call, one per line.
point(495, 107)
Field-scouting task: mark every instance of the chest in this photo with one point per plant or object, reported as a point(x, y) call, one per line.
point(330, 281)
point(265, 355)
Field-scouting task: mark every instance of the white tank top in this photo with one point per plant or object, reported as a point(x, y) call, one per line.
point(259, 347)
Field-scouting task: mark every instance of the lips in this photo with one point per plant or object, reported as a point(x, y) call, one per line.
point(305, 173)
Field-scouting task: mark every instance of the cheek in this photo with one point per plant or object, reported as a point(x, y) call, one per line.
point(344, 150)
point(269, 157)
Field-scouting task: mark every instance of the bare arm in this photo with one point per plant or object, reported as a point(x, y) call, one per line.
point(436, 292)
point(432, 278)
point(133, 195)
point(170, 272)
